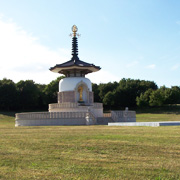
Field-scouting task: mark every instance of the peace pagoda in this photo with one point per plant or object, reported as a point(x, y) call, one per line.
point(75, 90)
point(75, 104)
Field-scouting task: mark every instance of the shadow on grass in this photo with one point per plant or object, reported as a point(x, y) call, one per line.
point(160, 110)
point(12, 113)
point(8, 113)
point(168, 109)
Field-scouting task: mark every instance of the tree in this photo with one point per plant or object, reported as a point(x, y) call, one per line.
point(128, 90)
point(8, 94)
point(175, 96)
point(157, 98)
point(143, 99)
point(51, 90)
point(28, 94)
point(109, 99)
point(95, 89)
point(105, 88)
point(41, 98)
point(172, 95)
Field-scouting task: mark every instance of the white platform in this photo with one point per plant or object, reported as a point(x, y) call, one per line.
point(153, 124)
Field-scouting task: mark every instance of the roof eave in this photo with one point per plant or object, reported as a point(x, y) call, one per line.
point(58, 69)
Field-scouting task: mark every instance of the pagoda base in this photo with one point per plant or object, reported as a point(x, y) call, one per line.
point(62, 114)
point(69, 114)
point(95, 108)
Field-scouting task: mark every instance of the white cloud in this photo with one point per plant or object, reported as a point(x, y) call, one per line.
point(151, 66)
point(23, 57)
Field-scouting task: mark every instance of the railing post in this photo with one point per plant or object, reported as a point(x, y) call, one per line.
point(90, 119)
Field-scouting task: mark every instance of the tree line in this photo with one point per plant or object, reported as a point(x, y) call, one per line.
point(135, 93)
point(28, 95)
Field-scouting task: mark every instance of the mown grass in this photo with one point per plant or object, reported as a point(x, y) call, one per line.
point(150, 117)
point(90, 152)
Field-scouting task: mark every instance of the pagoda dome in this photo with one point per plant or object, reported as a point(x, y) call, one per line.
point(71, 83)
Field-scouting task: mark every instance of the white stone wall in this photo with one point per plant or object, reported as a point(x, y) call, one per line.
point(50, 122)
point(51, 118)
point(72, 115)
point(123, 116)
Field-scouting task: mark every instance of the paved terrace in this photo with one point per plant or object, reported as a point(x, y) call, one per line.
point(153, 124)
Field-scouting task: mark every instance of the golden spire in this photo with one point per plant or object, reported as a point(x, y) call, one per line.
point(74, 30)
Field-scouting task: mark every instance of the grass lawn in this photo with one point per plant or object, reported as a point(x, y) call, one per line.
point(150, 117)
point(90, 152)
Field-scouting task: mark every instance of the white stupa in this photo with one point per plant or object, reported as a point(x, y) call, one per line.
point(75, 89)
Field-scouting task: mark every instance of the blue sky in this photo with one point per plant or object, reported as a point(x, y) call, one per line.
point(138, 39)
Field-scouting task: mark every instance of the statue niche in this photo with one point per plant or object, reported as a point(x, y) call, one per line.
point(82, 93)
point(80, 90)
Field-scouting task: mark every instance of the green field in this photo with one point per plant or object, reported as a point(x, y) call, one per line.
point(90, 152)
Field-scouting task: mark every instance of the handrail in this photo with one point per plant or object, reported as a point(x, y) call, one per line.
point(91, 114)
point(73, 105)
point(50, 115)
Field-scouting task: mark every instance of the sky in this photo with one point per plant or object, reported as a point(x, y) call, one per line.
point(137, 39)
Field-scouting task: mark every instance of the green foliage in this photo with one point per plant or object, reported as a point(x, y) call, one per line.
point(95, 89)
point(42, 104)
point(133, 88)
point(109, 99)
point(157, 98)
point(172, 95)
point(105, 88)
point(8, 94)
point(51, 90)
point(27, 95)
point(143, 99)
point(125, 92)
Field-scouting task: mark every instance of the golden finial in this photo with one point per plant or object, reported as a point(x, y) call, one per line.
point(74, 30)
